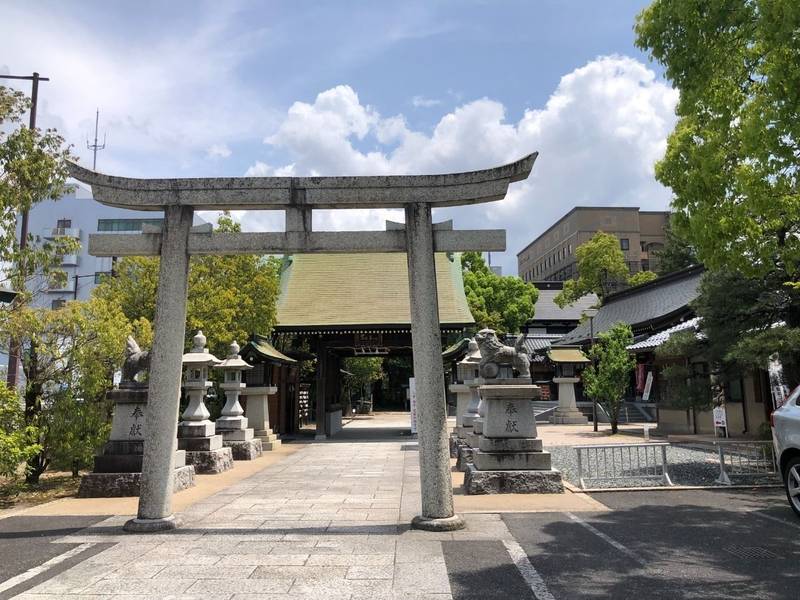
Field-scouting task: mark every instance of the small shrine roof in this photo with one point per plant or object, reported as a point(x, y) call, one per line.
point(260, 346)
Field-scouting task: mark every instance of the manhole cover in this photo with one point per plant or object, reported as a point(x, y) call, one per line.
point(751, 552)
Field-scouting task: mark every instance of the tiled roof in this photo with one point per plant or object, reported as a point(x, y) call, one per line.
point(536, 344)
point(263, 349)
point(643, 304)
point(654, 341)
point(548, 310)
point(341, 290)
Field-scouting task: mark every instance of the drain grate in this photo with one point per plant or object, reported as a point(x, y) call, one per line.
point(750, 552)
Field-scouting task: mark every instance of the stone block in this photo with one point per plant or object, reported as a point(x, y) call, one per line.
point(244, 450)
point(512, 482)
point(511, 461)
point(211, 461)
point(236, 435)
point(454, 442)
point(206, 444)
point(473, 440)
point(477, 426)
point(199, 429)
point(510, 444)
point(468, 420)
point(117, 485)
point(465, 454)
point(569, 417)
point(509, 411)
point(230, 423)
point(128, 463)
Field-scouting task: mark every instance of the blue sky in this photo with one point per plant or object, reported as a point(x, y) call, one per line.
point(232, 88)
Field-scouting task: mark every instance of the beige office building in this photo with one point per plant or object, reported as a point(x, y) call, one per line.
point(551, 256)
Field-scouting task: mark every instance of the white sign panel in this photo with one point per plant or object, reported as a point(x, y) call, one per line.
point(648, 386)
point(720, 417)
point(412, 399)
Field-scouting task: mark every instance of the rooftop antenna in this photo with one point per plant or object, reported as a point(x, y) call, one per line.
point(95, 147)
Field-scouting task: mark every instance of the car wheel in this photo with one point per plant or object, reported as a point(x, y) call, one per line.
point(792, 481)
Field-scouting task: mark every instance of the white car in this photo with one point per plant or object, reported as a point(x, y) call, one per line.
point(786, 438)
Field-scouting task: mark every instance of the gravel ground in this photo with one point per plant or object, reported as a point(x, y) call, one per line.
point(687, 466)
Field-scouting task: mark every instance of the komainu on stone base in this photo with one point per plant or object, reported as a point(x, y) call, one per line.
point(118, 485)
point(512, 482)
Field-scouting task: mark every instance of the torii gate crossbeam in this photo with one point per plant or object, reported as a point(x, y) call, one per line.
point(298, 196)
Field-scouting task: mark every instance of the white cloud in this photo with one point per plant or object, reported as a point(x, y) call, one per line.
point(174, 93)
point(423, 102)
point(598, 135)
point(218, 151)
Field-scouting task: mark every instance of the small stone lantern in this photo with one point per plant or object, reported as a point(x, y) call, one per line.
point(232, 413)
point(568, 361)
point(196, 364)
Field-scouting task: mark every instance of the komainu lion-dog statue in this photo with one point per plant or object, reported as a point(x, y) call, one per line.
point(495, 354)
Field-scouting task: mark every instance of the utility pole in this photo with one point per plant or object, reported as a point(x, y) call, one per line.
point(13, 346)
point(95, 147)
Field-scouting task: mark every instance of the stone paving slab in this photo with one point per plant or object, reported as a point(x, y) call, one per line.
point(329, 521)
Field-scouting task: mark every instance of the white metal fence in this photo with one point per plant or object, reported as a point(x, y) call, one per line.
point(623, 462)
point(745, 458)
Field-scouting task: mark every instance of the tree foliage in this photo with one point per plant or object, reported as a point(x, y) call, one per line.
point(687, 388)
point(32, 168)
point(677, 253)
point(641, 277)
point(19, 441)
point(732, 160)
point(69, 357)
point(230, 297)
point(498, 302)
point(601, 269)
point(608, 377)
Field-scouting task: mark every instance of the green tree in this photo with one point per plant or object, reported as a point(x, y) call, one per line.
point(732, 160)
point(677, 252)
point(641, 277)
point(19, 441)
point(601, 269)
point(32, 169)
point(230, 297)
point(608, 377)
point(687, 388)
point(501, 303)
point(362, 372)
point(69, 357)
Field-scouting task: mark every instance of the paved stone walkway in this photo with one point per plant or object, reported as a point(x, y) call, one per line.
point(329, 521)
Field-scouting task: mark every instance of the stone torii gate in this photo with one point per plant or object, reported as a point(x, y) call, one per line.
point(297, 196)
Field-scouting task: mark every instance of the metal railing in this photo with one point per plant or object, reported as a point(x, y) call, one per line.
point(623, 462)
point(738, 457)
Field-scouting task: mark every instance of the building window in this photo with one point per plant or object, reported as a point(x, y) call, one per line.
point(569, 249)
point(64, 223)
point(624, 243)
point(58, 303)
point(115, 225)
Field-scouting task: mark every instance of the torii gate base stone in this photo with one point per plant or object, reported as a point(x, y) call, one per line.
point(298, 196)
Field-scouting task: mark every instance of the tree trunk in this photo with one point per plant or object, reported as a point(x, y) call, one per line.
point(614, 425)
point(75, 469)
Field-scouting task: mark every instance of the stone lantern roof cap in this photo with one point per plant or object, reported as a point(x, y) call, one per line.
point(199, 356)
point(233, 362)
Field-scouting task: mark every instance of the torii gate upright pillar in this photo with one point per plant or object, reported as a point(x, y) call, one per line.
point(434, 453)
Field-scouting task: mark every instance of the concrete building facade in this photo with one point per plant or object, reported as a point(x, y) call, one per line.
point(551, 256)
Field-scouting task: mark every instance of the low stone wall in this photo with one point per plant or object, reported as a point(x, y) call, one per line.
point(118, 485)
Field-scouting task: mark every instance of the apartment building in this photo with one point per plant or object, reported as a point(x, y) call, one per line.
point(551, 256)
point(77, 215)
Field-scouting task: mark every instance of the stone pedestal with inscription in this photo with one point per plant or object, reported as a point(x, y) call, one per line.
point(509, 457)
point(118, 470)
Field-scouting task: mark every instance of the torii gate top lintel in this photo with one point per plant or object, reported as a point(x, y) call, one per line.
point(271, 193)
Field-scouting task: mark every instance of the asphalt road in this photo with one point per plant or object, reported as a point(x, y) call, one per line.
point(667, 545)
point(25, 543)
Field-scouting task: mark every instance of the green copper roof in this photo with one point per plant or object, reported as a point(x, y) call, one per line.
point(340, 290)
point(260, 346)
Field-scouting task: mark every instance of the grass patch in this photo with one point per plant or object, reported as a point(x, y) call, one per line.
point(51, 486)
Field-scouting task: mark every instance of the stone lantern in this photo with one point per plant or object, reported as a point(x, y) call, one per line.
point(232, 424)
point(568, 361)
point(196, 433)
